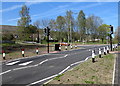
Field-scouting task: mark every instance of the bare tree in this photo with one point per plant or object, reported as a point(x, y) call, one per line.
point(60, 21)
point(81, 21)
point(69, 24)
point(92, 23)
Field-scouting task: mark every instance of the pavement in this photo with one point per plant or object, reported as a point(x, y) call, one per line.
point(40, 69)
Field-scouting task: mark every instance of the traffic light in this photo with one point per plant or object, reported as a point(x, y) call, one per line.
point(111, 29)
point(45, 31)
point(48, 31)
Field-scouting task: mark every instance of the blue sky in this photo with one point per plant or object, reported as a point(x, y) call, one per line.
point(108, 11)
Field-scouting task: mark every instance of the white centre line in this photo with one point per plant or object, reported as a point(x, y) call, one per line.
point(12, 63)
point(26, 63)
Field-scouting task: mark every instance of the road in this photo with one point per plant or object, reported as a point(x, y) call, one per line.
point(39, 69)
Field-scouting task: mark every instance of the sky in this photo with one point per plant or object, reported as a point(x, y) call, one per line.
point(107, 11)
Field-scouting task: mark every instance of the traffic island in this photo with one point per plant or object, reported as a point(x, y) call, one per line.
point(100, 72)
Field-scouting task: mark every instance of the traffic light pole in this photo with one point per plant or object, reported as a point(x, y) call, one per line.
point(47, 32)
point(48, 42)
point(111, 41)
point(111, 32)
point(38, 37)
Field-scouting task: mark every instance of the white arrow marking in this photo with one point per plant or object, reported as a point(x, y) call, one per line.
point(26, 63)
point(12, 63)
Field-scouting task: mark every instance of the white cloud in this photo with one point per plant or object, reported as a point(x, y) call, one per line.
point(11, 8)
point(17, 6)
point(14, 19)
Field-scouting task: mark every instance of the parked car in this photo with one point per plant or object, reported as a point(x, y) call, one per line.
point(64, 44)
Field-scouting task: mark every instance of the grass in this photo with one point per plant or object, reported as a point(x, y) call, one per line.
point(87, 72)
point(9, 44)
point(58, 77)
point(30, 51)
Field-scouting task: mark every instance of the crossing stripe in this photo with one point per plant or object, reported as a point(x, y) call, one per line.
point(12, 63)
point(26, 63)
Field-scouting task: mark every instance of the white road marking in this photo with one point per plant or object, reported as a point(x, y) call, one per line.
point(12, 63)
point(26, 63)
point(34, 65)
point(114, 71)
point(43, 62)
point(36, 82)
point(5, 72)
point(64, 70)
point(58, 57)
point(24, 67)
point(43, 80)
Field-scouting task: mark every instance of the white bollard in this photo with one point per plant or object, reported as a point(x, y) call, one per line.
point(116, 46)
point(93, 56)
point(3, 53)
point(100, 53)
point(104, 51)
point(113, 47)
point(23, 52)
point(108, 49)
point(65, 47)
point(60, 48)
point(71, 47)
point(75, 46)
point(36, 50)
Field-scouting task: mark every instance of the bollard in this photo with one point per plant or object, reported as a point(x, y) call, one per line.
point(71, 47)
point(93, 56)
point(60, 48)
point(108, 49)
point(104, 51)
point(23, 52)
point(3, 52)
point(36, 50)
point(113, 47)
point(99, 53)
point(65, 47)
point(116, 46)
point(75, 46)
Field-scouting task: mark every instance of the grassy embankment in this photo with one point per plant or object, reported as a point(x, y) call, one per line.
point(100, 72)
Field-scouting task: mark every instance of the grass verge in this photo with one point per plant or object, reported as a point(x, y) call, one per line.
point(100, 72)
